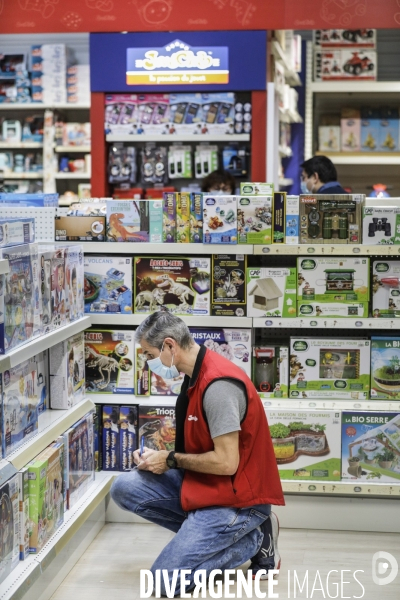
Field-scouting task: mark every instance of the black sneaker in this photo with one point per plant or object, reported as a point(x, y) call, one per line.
point(268, 556)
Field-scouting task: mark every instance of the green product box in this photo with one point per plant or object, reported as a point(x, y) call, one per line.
point(169, 217)
point(228, 291)
point(386, 289)
point(256, 189)
point(156, 221)
point(279, 218)
point(307, 443)
point(254, 217)
point(196, 218)
point(270, 371)
point(323, 368)
point(271, 292)
point(331, 280)
point(385, 368)
point(354, 310)
point(183, 217)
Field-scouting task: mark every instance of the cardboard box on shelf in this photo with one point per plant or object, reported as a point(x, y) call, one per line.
point(357, 38)
point(381, 224)
point(370, 130)
point(110, 437)
point(255, 219)
point(9, 501)
point(220, 219)
point(196, 218)
point(108, 284)
point(142, 373)
point(169, 217)
point(292, 221)
point(333, 310)
point(128, 436)
point(157, 425)
point(331, 218)
point(79, 457)
point(23, 486)
point(270, 371)
point(279, 218)
point(109, 361)
point(233, 344)
point(350, 125)
point(80, 229)
point(183, 217)
point(385, 368)
point(329, 138)
point(228, 294)
point(386, 289)
point(389, 130)
point(271, 292)
point(127, 221)
point(67, 372)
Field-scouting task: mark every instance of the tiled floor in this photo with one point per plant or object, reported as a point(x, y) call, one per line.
point(109, 569)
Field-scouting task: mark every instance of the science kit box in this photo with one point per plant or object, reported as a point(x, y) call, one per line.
point(14, 232)
point(228, 294)
point(279, 218)
point(323, 368)
point(386, 288)
point(58, 288)
point(334, 310)
point(128, 438)
point(256, 189)
point(183, 217)
point(45, 261)
point(110, 437)
point(169, 217)
point(108, 284)
point(385, 368)
point(196, 218)
point(67, 372)
point(371, 446)
point(220, 219)
point(271, 292)
point(232, 344)
point(109, 361)
point(254, 219)
point(74, 278)
point(306, 443)
point(128, 221)
point(157, 426)
point(381, 224)
point(180, 284)
point(270, 371)
point(23, 485)
point(79, 457)
point(142, 373)
point(9, 502)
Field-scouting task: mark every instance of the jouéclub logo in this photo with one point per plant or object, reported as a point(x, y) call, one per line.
point(177, 63)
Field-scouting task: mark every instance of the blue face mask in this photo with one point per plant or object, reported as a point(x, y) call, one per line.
point(156, 365)
point(218, 193)
point(304, 188)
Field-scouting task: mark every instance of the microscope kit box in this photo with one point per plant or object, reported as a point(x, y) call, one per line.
point(109, 361)
point(157, 425)
point(228, 294)
point(232, 344)
point(254, 219)
point(271, 292)
point(323, 368)
point(385, 368)
point(128, 436)
point(108, 284)
point(331, 218)
point(67, 372)
point(371, 446)
point(381, 224)
point(9, 501)
point(306, 443)
point(270, 371)
point(220, 219)
point(386, 288)
point(181, 284)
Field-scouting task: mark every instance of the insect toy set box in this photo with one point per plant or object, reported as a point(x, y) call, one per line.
point(306, 443)
point(323, 368)
point(371, 446)
point(228, 297)
point(220, 219)
point(232, 344)
point(331, 218)
point(79, 458)
point(270, 371)
point(67, 372)
point(9, 550)
point(254, 219)
point(386, 289)
point(108, 284)
point(385, 368)
point(271, 292)
point(109, 361)
point(157, 426)
point(180, 284)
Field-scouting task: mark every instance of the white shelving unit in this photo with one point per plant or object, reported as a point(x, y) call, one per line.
point(40, 106)
point(342, 488)
point(24, 175)
point(72, 176)
point(322, 323)
point(67, 149)
point(327, 249)
point(291, 76)
point(208, 137)
point(164, 249)
point(22, 145)
point(363, 158)
point(201, 321)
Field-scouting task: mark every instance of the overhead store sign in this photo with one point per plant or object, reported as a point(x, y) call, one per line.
point(177, 63)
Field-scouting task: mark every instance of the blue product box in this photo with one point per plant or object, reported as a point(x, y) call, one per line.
point(29, 200)
point(108, 284)
point(292, 220)
point(389, 130)
point(234, 161)
point(370, 130)
point(14, 232)
point(110, 434)
point(185, 109)
point(128, 419)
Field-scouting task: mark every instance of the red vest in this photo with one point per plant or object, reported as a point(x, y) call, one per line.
point(256, 480)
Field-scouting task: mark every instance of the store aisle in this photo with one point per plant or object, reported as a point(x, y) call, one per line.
point(110, 567)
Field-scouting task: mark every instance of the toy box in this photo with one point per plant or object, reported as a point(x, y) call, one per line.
point(180, 162)
point(157, 426)
point(381, 224)
point(279, 218)
point(371, 446)
point(97, 437)
point(256, 189)
point(345, 65)
point(217, 113)
point(196, 218)
point(109, 359)
point(306, 443)
point(19, 406)
point(181, 284)
point(332, 280)
point(127, 221)
point(76, 134)
point(120, 114)
point(46, 501)
point(205, 160)
point(79, 457)
point(74, 277)
point(23, 487)
point(385, 368)
point(42, 380)
point(233, 344)
point(58, 288)
point(169, 216)
point(271, 292)
point(152, 112)
point(350, 125)
point(323, 368)
point(128, 418)
point(254, 218)
point(370, 130)
point(332, 310)
point(183, 217)
point(110, 438)
point(46, 263)
point(142, 373)
point(270, 371)
point(33, 200)
point(154, 165)
point(80, 229)
point(9, 550)
point(228, 297)
point(389, 130)
point(331, 218)
point(329, 138)
point(292, 220)
point(357, 38)
point(67, 372)
point(108, 284)
point(219, 219)
point(386, 288)
point(156, 221)
point(235, 161)
point(14, 232)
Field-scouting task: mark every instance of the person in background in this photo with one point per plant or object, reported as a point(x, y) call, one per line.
point(319, 176)
point(219, 182)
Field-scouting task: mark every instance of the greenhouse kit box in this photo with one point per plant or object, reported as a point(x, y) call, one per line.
point(9, 502)
point(233, 344)
point(127, 221)
point(157, 425)
point(306, 443)
point(109, 361)
point(128, 419)
point(270, 371)
point(256, 189)
point(279, 218)
point(108, 284)
point(254, 219)
point(385, 368)
point(67, 372)
point(381, 224)
point(228, 293)
point(271, 292)
point(332, 280)
point(110, 437)
point(334, 310)
point(220, 219)
point(386, 288)
point(371, 446)
point(323, 368)
point(79, 458)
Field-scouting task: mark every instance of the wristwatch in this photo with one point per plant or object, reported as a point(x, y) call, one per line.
point(171, 461)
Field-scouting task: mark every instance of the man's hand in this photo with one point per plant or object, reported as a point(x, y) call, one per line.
point(136, 455)
point(153, 461)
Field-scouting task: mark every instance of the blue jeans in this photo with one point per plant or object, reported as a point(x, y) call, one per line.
point(207, 538)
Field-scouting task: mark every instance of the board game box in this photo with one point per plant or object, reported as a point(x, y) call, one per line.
point(109, 361)
point(67, 372)
point(233, 344)
point(157, 425)
point(128, 421)
point(228, 293)
point(108, 284)
point(79, 456)
point(9, 548)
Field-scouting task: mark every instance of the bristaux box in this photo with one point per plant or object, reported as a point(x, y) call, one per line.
point(271, 292)
point(385, 368)
point(306, 443)
point(323, 368)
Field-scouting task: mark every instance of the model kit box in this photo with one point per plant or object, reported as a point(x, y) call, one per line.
point(183, 217)
point(128, 436)
point(181, 284)
point(79, 457)
point(292, 220)
point(23, 486)
point(127, 221)
point(232, 344)
point(306, 443)
point(323, 368)
point(270, 371)
point(331, 218)
point(108, 284)
point(196, 218)
point(345, 65)
point(333, 310)
point(220, 219)
point(331, 280)
point(14, 232)
point(169, 217)
point(74, 278)
point(385, 368)
point(110, 435)
point(271, 292)
point(386, 288)
point(279, 218)
point(67, 372)
point(381, 225)
point(109, 360)
point(142, 373)
point(350, 125)
point(80, 229)
point(371, 446)
point(9, 502)
point(157, 426)
point(254, 217)
point(256, 189)
point(228, 298)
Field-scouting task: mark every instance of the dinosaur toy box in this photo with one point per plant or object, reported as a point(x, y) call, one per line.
point(108, 284)
point(386, 289)
point(109, 361)
point(127, 221)
point(9, 502)
point(180, 284)
point(254, 219)
point(385, 368)
point(371, 446)
point(220, 219)
point(67, 372)
point(157, 425)
point(306, 443)
point(323, 368)
point(233, 344)
point(228, 294)
point(271, 292)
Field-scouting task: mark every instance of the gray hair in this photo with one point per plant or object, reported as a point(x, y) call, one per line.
point(163, 324)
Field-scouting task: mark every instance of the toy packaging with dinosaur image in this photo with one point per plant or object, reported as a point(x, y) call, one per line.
point(157, 425)
point(128, 423)
point(108, 284)
point(9, 550)
point(109, 361)
point(228, 294)
point(180, 284)
point(127, 221)
point(67, 372)
point(79, 457)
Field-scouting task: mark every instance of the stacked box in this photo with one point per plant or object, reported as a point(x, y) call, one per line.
point(67, 372)
point(109, 361)
point(128, 436)
point(228, 294)
point(76, 134)
point(271, 292)
point(329, 138)
point(78, 84)
point(74, 277)
point(381, 224)
point(49, 65)
point(46, 263)
point(270, 371)
point(279, 218)
point(351, 130)
point(156, 221)
point(385, 368)
point(386, 289)
point(370, 130)
point(9, 502)
point(389, 130)
point(23, 486)
point(232, 344)
point(183, 202)
point(58, 288)
point(79, 458)
point(306, 443)
point(169, 217)
point(108, 284)
point(127, 221)
point(14, 232)
point(255, 219)
point(157, 426)
point(42, 380)
point(110, 438)
point(256, 189)
point(220, 219)
point(196, 218)
point(29, 200)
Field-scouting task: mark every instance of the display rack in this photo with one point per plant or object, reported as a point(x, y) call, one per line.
point(22, 145)
point(322, 323)
point(163, 249)
point(177, 137)
point(200, 321)
point(40, 106)
point(342, 488)
point(68, 149)
point(327, 249)
point(72, 176)
point(363, 158)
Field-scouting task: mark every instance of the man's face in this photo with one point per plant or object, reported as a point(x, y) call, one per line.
point(149, 352)
point(312, 182)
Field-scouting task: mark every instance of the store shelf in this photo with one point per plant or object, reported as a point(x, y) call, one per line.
point(291, 76)
point(21, 175)
point(7, 470)
point(22, 145)
point(72, 176)
point(130, 320)
point(127, 399)
point(342, 488)
point(363, 158)
point(26, 351)
point(52, 423)
point(322, 323)
point(328, 404)
point(164, 249)
point(323, 249)
point(40, 106)
point(367, 87)
point(4, 267)
point(81, 149)
point(209, 137)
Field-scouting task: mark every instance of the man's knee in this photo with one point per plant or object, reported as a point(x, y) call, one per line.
point(123, 491)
